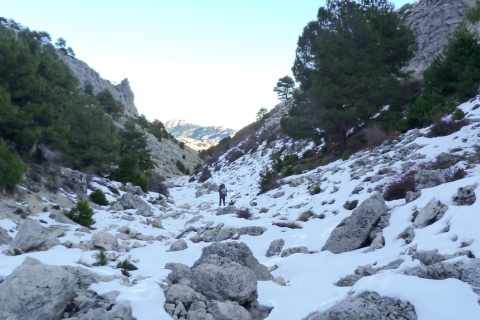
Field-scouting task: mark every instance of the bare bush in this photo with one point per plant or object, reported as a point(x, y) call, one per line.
point(156, 183)
point(305, 216)
point(442, 127)
point(287, 224)
point(205, 175)
point(233, 155)
point(244, 213)
point(399, 187)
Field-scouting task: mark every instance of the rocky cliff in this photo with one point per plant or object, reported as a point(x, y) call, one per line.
point(433, 21)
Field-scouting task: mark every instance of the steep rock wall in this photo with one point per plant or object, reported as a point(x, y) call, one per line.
point(433, 21)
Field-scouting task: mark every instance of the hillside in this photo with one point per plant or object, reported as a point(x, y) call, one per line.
point(416, 258)
point(195, 136)
point(385, 229)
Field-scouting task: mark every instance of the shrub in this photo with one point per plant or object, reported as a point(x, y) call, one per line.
point(442, 128)
point(206, 174)
point(82, 214)
point(454, 174)
point(399, 187)
point(126, 265)
point(244, 213)
point(287, 224)
point(98, 197)
point(181, 167)
point(234, 154)
point(268, 180)
point(305, 216)
point(11, 168)
point(315, 190)
point(101, 258)
point(156, 183)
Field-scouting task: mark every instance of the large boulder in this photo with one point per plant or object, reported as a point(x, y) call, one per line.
point(368, 305)
point(33, 237)
point(222, 279)
point(4, 236)
point(428, 179)
point(353, 232)
point(104, 240)
point(36, 291)
point(238, 252)
point(433, 212)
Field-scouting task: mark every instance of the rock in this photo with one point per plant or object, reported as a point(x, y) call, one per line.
point(428, 257)
point(350, 205)
point(368, 305)
point(4, 236)
point(446, 160)
point(130, 201)
point(238, 252)
point(275, 247)
point(180, 293)
point(353, 232)
point(228, 311)
point(412, 195)
point(432, 212)
point(220, 278)
point(178, 245)
point(33, 237)
point(251, 231)
point(428, 179)
point(36, 291)
point(157, 223)
point(465, 195)
point(180, 272)
point(104, 240)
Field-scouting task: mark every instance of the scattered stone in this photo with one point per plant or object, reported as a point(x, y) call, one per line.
point(33, 237)
point(465, 195)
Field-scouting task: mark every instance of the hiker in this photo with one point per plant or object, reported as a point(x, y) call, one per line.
point(222, 191)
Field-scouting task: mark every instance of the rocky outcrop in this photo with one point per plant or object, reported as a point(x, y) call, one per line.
point(433, 22)
point(465, 195)
point(221, 284)
point(33, 237)
point(4, 236)
point(368, 305)
point(354, 231)
point(36, 291)
point(86, 75)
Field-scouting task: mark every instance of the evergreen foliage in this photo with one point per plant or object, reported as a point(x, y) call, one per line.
point(284, 88)
point(82, 214)
point(456, 72)
point(348, 63)
point(108, 103)
point(11, 168)
point(98, 197)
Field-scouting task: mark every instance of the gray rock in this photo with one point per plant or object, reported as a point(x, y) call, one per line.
point(199, 314)
point(368, 306)
point(251, 231)
point(228, 311)
point(238, 252)
point(130, 201)
point(465, 195)
point(33, 237)
point(178, 245)
point(353, 232)
point(222, 279)
point(289, 251)
point(432, 212)
point(428, 179)
point(4, 236)
point(180, 293)
point(179, 272)
point(412, 195)
point(275, 247)
point(104, 240)
point(36, 291)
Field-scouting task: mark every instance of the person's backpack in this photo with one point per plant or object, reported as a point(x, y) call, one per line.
point(223, 191)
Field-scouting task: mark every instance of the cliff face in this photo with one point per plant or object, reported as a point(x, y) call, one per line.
point(433, 21)
point(86, 75)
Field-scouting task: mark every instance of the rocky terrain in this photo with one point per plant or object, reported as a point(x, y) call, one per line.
point(329, 243)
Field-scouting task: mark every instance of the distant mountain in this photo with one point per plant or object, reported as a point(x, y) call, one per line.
point(196, 136)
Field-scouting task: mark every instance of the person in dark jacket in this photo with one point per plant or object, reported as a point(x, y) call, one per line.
point(222, 191)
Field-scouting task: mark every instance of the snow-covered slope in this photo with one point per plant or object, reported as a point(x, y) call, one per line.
point(310, 277)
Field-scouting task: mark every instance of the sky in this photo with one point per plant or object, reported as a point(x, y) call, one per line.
point(209, 62)
point(309, 278)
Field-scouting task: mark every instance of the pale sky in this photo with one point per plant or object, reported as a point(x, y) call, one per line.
point(210, 62)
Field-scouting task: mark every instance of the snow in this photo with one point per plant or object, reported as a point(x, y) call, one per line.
point(309, 278)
